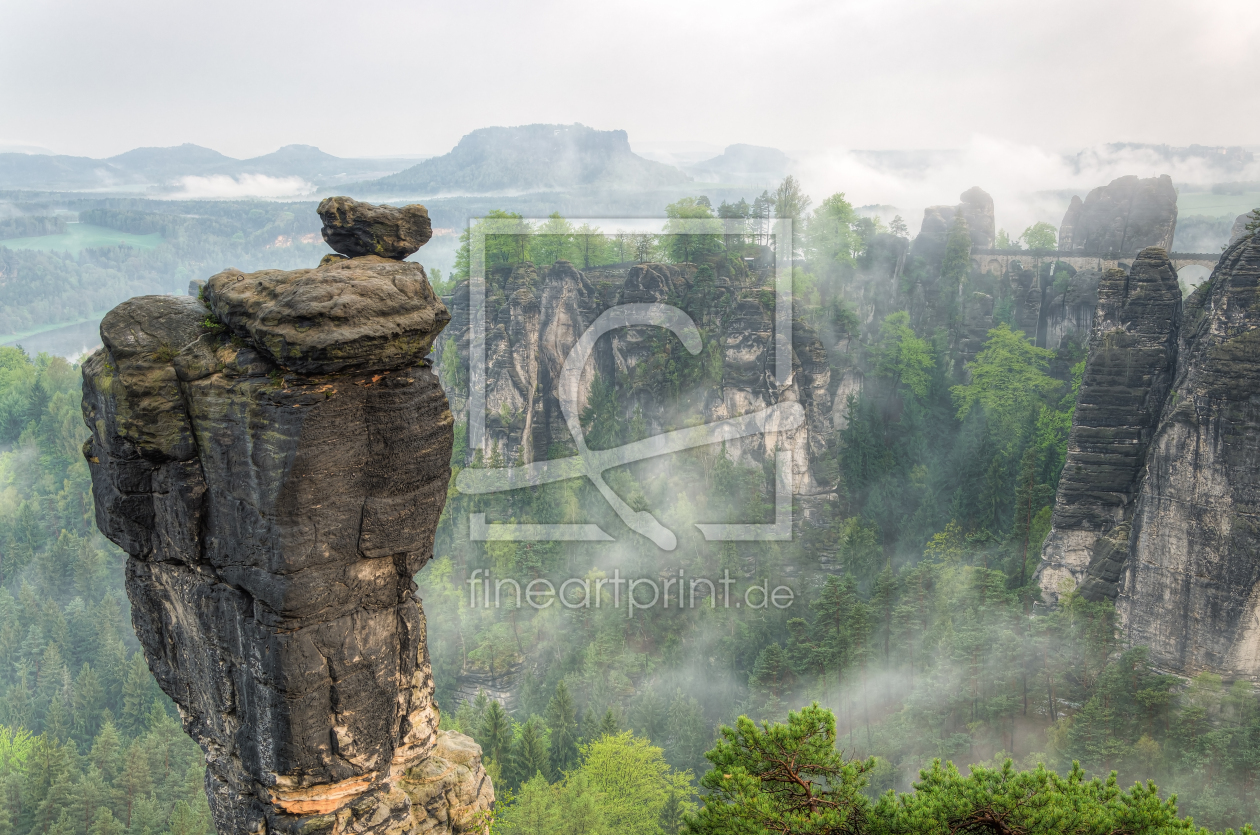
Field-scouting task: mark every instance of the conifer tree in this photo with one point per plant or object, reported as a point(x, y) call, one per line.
point(136, 694)
point(529, 754)
point(607, 725)
point(562, 721)
point(496, 733)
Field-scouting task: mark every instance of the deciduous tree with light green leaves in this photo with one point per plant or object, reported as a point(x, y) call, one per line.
point(1040, 235)
point(1008, 381)
point(831, 242)
point(903, 357)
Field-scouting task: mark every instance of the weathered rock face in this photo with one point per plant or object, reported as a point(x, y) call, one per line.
point(534, 316)
point(976, 208)
point(355, 229)
point(1159, 504)
point(1191, 588)
point(364, 314)
point(277, 483)
point(1239, 229)
point(1121, 218)
point(1127, 375)
point(1069, 315)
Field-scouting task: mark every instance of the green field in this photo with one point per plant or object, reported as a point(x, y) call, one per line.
point(83, 236)
point(1215, 205)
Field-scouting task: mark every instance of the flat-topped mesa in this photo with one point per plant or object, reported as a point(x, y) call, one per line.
point(274, 456)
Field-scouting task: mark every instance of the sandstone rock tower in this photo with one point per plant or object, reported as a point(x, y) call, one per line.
point(1159, 502)
point(274, 456)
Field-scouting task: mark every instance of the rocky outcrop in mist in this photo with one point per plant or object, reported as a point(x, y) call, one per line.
point(273, 457)
point(976, 208)
point(1121, 218)
point(535, 315)
point(1159, 503)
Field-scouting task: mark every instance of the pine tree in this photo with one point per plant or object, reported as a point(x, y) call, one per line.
point(607, 725)
point(648, 715)
point(106, 824)
point(495, 736)
point(770, 678)
point(562, 721)
point(136, 695)
point(687, 731)
point(57, 720)
point(136, 780)
point(107, 751)
point(89, 704)
point(529, 754)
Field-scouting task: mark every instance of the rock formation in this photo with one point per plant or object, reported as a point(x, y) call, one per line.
point(1069, 312)
point(535, 315)
point(976, 208)
point(1121, 218)
point(355, 229)
point(1239, 229)
point(1127, 374)
point(1191, 588)
point(273, 456)
point(1159, 503)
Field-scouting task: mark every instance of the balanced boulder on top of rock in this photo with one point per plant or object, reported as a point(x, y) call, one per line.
point(354, 229)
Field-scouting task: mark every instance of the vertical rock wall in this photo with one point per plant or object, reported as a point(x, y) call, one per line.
point(1159, 503)
point(274, 460)
point(1127, 375)
point(1191, 590)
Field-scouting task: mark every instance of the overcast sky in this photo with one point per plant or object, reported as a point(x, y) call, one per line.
point(381, 77)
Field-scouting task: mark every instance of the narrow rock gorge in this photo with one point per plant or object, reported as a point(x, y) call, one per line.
point(1159, 502)
point(273, 455)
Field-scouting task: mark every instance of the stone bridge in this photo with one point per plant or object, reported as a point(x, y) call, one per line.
point(999, 260)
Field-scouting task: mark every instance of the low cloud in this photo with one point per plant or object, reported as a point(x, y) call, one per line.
point(222, 186)
point(1028, 183)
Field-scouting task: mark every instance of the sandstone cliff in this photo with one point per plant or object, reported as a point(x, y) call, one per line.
point(535, 315)
point(274, 457)
point(1159, 503)
point(1191, 589)
point(1121, 218)
point(975, 207)
point(1127, 374)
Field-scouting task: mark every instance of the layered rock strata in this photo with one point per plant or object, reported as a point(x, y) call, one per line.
point(1133, 351)
point(1159, 503)
point(273, 456)
point(1191, 587)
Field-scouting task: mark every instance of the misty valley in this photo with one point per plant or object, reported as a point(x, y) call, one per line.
point(616, 492)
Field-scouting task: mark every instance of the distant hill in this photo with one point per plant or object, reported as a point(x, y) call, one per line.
point(44, 171)
point(743, 164)
point(166, 166)
point(158, 165)
point(531, 158)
